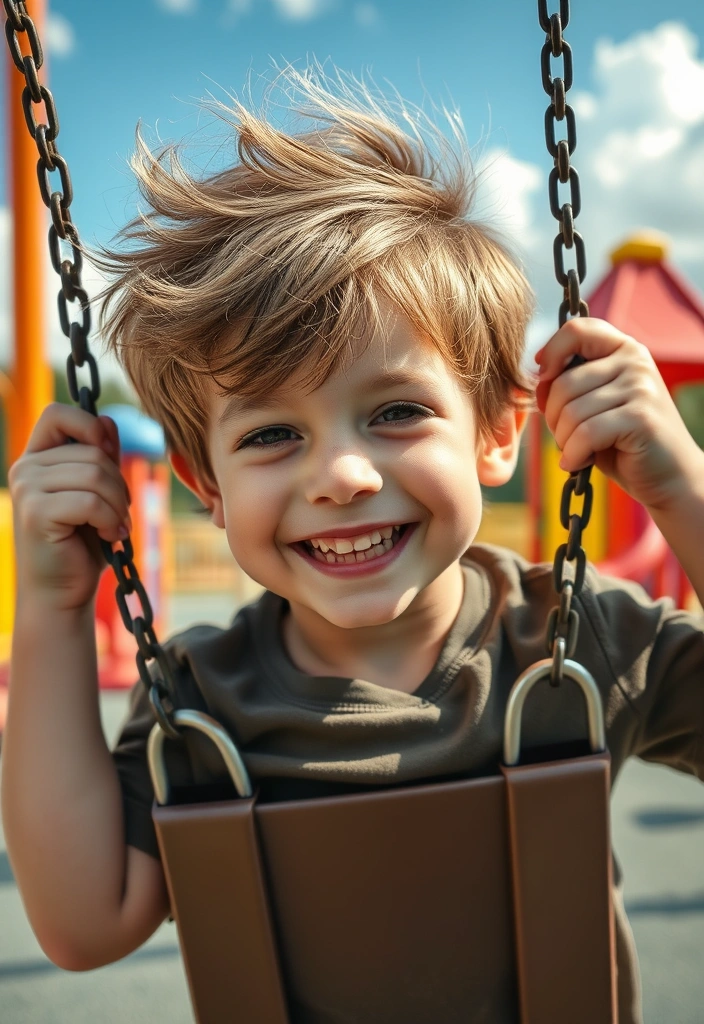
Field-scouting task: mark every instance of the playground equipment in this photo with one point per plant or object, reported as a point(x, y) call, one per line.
point(145, 469)
point(31, 378)
point(641, 295)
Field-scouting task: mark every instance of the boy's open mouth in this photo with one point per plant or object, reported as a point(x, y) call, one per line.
point(352, 550)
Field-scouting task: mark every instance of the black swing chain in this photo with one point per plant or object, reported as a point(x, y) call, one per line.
point(563, 621)
point(120, 555)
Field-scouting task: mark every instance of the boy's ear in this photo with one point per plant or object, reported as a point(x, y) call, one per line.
point(207, 493)
point(498, 453)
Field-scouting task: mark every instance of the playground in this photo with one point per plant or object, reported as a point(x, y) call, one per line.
point(204, 853)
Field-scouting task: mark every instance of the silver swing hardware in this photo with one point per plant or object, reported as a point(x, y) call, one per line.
point(525, 683)
point(203, 723)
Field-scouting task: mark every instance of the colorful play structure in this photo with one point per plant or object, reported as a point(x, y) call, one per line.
point(644, 296)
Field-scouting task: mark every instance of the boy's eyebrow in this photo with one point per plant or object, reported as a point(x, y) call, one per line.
point(239, 405)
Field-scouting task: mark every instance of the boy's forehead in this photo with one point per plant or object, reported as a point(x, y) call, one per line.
point(380, 366)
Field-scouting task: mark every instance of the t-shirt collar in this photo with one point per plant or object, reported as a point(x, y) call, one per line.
point(297, 687)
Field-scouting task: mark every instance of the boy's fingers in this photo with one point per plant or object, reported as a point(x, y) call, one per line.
point(584, 336)
point(592, 376)
point(593, 436)
point(575, 415)
point(85, 478)
point(112, 438)
point(58, 423)
point(74, 455)
point(73, 509)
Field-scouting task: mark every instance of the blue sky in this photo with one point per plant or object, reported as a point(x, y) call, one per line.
point(639, 96)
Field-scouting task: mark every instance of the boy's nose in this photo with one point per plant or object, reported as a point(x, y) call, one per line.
point(342, 478)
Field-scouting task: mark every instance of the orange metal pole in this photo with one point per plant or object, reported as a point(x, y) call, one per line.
point(31, 374)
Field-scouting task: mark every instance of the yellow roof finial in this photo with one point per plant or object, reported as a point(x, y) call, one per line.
point(643, 247)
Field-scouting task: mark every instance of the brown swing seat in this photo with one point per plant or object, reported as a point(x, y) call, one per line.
point(479, 900)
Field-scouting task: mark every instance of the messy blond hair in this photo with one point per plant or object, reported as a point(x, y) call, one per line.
point(272, 266)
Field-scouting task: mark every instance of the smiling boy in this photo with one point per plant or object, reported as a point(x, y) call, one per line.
point(334, 350)
point(305, 504)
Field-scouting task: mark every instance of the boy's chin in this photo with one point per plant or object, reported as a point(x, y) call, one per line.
point(365, 614)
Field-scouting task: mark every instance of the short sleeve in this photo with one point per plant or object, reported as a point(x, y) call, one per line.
point(655, 656)
point(130, 759)
point(672, 726)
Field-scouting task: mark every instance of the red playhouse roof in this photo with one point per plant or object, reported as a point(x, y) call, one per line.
point(645, 297)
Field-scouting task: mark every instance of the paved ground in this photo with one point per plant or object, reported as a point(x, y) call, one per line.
point(658, 825)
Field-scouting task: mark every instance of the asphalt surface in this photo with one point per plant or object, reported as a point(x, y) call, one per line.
point(658, 835)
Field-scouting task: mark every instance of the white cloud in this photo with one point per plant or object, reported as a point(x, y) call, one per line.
point(653, 72)
point(178, 6)
point(506, 194)
point(364, 13)
point(300, 10)
point(59, 35)
point(641, 153)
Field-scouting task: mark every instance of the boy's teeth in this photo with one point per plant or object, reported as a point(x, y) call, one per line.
point(356, 553)
point(346, 545)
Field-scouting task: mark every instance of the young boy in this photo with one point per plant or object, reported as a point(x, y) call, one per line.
point(334, 351)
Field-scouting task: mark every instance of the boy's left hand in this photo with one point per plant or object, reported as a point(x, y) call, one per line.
point(615, 411)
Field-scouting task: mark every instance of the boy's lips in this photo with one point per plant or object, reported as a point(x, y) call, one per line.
point(348, 569)
point(351, 531)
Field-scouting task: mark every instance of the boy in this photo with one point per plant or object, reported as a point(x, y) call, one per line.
point(334, 352)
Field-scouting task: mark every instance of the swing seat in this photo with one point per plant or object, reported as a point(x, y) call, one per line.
point(479, 900)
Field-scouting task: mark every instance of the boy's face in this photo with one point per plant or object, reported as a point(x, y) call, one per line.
point(390, 442)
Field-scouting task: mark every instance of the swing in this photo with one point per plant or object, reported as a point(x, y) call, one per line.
point(517, 925)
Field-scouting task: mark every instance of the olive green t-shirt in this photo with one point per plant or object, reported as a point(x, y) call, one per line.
point(306, 736)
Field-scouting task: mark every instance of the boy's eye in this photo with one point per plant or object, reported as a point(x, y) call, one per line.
point(268, 437)
point(271, 437)
point(404, 411)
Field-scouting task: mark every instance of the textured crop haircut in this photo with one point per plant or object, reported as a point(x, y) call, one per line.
point(274, 266)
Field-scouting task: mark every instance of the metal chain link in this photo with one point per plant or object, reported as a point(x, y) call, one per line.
point(563, 621)
point(58, 201)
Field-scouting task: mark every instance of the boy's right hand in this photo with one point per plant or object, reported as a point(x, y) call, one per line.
point(65, 496)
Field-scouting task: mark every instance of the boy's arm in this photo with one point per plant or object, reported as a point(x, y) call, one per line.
point(89, 897)
point(682, 525)
point(615, 411)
